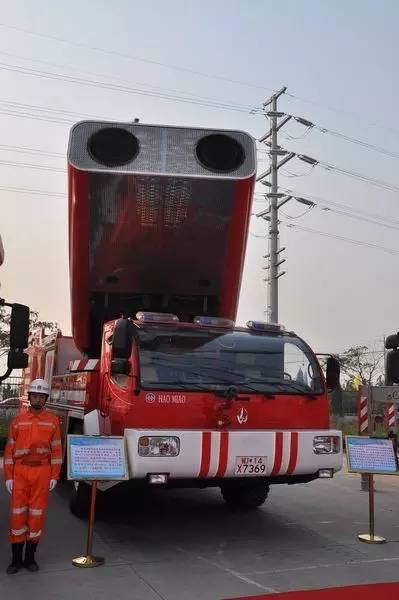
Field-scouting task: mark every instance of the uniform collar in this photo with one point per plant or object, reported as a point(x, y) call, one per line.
point(38, 415)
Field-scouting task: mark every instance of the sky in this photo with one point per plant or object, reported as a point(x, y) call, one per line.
point(339, 63)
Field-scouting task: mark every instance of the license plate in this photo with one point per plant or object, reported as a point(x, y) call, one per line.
point(251, 465)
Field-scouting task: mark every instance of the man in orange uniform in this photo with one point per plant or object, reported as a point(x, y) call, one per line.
point(32, 465)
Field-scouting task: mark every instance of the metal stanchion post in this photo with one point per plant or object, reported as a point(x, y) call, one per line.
point(364, 482)
point(88, 560)
point(371, 538)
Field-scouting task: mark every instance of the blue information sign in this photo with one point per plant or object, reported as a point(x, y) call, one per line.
point(370, 455)
point(101, 458)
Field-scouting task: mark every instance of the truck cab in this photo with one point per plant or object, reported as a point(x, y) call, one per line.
point(210, 404)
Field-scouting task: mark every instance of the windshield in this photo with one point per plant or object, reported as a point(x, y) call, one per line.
point(212, 360)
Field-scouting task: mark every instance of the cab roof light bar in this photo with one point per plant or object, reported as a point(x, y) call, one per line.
point(261, 326)
point(154, 317)
point(214, 322)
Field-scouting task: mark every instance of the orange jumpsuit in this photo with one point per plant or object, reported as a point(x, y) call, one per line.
point(33, 456)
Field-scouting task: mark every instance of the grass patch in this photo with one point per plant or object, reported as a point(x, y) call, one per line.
point(4, 428)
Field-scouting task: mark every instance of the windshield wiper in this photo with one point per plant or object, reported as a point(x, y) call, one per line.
point(294, 386)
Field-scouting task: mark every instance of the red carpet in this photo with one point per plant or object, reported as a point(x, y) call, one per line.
point(379, 591)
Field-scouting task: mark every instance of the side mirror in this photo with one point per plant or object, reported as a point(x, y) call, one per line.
point(19, 327)
point(333, 373)
point(120, 366)
point(122, 339)
point(392, 342)
point(392, 367)
point(17, 359)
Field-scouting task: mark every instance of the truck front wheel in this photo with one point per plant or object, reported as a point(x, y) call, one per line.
point(247, 496)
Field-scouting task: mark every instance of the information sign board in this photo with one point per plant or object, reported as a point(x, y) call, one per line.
point(370, 455)
point(101, 458)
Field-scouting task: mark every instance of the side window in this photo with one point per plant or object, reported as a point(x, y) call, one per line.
point(297, 366)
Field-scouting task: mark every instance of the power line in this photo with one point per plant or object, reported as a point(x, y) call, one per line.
point(8, 163)
point(110, 52)
point(30, 191)
point(124, 89)
point(96, 74)
point(49, 109)
point(310, 126)
point(353, 174)
point(347, 211)
point(26, 115)
point(341, 238)
point(340, 111)
point(135, 58)
point(303, 214)
point(26, 150)
point(291, 225)
point(360, 218)
point(323, 201)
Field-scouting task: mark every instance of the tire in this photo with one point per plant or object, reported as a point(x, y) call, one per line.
point(247, 496)
point(79, 503)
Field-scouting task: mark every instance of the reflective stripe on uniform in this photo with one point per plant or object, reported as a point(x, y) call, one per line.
point(42, 450)
point(46, 423)
point(8, 461)
point(36, 512)
point(33, 534)
point(21, 451)
point(18, 423)
point(21, 531)
point(56, 461)
point(55, 443)
point(20, 510)
point(10, 441)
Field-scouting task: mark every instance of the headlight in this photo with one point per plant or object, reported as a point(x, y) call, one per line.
point(327, 444)
point(159, 446)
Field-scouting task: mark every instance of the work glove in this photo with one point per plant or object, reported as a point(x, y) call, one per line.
point(9, 485)
point(53, 483)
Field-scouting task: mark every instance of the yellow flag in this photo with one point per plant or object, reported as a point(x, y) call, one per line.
point(357, 382)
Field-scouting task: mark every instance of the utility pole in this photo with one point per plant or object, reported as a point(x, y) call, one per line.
point(274, 196)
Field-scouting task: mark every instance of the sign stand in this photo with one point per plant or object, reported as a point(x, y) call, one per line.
point(87, 560)
point(95, 458)
point(371, 538)
point(371, 456)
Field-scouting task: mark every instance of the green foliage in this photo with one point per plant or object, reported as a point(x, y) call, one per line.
point(3, 429)
point(359, 362)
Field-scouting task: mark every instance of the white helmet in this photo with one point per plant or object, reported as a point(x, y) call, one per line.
point(39, 386)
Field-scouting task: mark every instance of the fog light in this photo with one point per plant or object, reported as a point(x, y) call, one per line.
point(326, 473)
point(157, 478)
point(159, 445)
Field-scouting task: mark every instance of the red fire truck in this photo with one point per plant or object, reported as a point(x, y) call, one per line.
point(158, 224)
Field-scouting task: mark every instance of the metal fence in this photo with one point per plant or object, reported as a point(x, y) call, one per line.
point(10, 391)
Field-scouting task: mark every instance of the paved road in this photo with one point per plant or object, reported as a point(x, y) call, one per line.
point(185, 545)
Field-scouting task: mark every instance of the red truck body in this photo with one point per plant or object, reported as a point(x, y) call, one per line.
point(158, 225)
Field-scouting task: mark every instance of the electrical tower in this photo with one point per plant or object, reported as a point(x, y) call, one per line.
point(276, 200)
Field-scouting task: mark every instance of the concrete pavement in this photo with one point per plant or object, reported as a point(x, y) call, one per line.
point(185, 544)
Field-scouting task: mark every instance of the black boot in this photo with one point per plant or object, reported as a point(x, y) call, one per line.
point(29, 562)
point(16, 562)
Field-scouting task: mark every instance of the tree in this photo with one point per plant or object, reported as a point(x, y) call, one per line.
point(35, 322)
point(362, 364)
